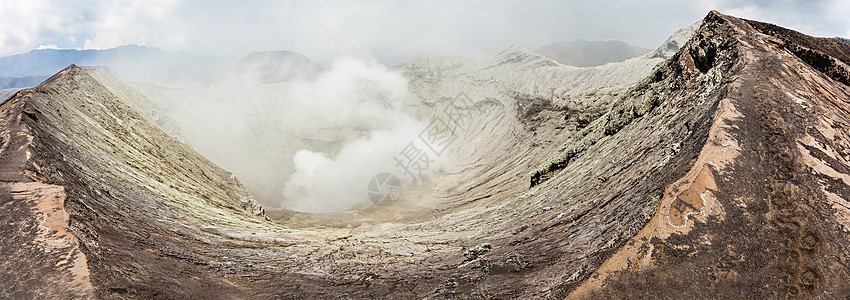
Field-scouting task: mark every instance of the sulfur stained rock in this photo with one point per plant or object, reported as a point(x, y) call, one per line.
point(722, 171)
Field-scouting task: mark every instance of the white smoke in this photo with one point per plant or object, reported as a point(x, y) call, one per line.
point(308, 146)
point(353, 94)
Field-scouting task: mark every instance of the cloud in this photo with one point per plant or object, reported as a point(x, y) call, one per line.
point(352, 94)
point(388, 30)
point(26, 24)
point(48, 46)
point(133, 22)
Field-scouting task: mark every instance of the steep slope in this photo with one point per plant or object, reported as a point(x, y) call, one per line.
point(247, 129)
point(88, 180)
point(513, 73)
point(722, 172)
point(511, 95)
point(138, 222)
point(136, 101)
point(238, 118)
point(763, 211)
point(828, 55)
point(584, 53)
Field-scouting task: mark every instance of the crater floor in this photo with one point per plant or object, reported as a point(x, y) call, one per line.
point(715, 167)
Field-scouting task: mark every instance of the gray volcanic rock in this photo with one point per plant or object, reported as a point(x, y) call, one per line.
point(87, 180)
point(719, 171)
point(584, 53)
point(762, 212)
point(255, 135)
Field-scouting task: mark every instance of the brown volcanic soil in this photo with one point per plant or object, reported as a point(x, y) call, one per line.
point(831, 56)
point(776, 225)
point(724, 174)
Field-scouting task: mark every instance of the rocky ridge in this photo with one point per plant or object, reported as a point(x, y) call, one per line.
point(719, 172)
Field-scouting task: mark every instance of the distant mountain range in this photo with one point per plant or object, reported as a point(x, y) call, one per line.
point(6, 93)
point(133, 63)
point(584, 53)
point(713, 167)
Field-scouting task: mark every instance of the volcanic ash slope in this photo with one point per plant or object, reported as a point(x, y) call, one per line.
point(720, 172)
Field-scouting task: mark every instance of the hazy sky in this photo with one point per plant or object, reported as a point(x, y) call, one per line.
point(387, 30)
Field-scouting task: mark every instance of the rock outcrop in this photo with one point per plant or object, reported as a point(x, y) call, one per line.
point(717, 166)
point(762, 210)
point(95, 193)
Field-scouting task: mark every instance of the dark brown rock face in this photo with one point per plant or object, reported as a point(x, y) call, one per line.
point(831, 56)
point(723, 174)
point(772, 221)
